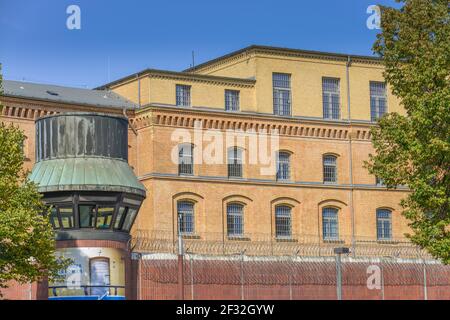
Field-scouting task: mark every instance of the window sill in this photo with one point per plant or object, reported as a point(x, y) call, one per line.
point(285, 240)
point(238, 238)
point(387, 241)
point(334, 241)
point(190, 236)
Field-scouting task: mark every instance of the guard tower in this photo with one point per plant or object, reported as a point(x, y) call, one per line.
point(83, 173)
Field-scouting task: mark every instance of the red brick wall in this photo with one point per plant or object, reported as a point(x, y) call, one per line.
point(220, 279)
point(214, 279)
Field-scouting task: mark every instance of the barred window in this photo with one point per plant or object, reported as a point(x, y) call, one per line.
point(231, 100)
point(283, 221)
point(235, 220)
point(235, 162)
point(331, 98)
point(183, 93)
point(384, 224)
point(329, 169)
point(185, 159)
point(379, 182)
point(330, 224)
point(378, 103)
point(283, 166)
point(185, 210)
point(281, 94)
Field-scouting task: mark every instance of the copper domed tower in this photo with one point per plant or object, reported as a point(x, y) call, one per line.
point(83, 173)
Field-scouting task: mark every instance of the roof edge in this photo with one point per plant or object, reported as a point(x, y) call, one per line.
point(282, 50)
point(168, 73)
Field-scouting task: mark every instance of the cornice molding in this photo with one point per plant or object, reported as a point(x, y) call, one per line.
point(307, 128)
point(182, 76)
point(254, 50)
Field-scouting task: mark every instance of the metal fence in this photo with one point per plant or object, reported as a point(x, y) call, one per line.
point(290, 278)
point(255, 266)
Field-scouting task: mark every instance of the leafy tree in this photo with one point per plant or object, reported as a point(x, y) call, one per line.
point(27, 244)
point(414, 149)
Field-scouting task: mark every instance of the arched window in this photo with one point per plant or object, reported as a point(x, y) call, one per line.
point(384, 224)
point(185, 215)
point(283, 166)
point(235, 162)
point(283, 227)
point(235, 220)
point(329, 169)
point(185, 159)
point(330, 226)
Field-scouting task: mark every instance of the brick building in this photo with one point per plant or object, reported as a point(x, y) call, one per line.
point(196, 143)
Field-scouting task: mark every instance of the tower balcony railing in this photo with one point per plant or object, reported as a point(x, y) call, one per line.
point(95, 291)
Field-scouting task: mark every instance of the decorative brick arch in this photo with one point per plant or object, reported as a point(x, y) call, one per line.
point(198, 202)
point(295, 214)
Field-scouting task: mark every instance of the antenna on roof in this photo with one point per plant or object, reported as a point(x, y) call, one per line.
point(109, 69)
point(193, 59)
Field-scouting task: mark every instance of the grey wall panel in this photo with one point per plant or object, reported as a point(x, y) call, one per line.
point(80, 135)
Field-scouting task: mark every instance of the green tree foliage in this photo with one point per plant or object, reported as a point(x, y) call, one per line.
point(414, 150)
point(27, 245)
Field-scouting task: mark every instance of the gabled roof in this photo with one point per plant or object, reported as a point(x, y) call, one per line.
point(45, 92)
point(285, 51)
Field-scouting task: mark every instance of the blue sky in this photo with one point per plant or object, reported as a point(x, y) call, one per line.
point(35, 44)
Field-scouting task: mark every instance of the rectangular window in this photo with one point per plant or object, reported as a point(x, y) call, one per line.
point(283, 166)
point(104, 217)
point(185, 160)
point(120, 214)
point(54, 220)
point(281, 94)
point(330, 224)
point(129, 219)
point(87, 216)
point(235, 220)
point(379, 182)
point(185, 211)
point(331, 98)
point(384, 224)
point(66, 214)
point(283, 221)
point(378, 105)
point(235, 162)
point(231, 100)
point(183, 95)
point(329, 169)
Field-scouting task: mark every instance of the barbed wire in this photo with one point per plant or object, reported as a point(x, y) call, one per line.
point(263, 245)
